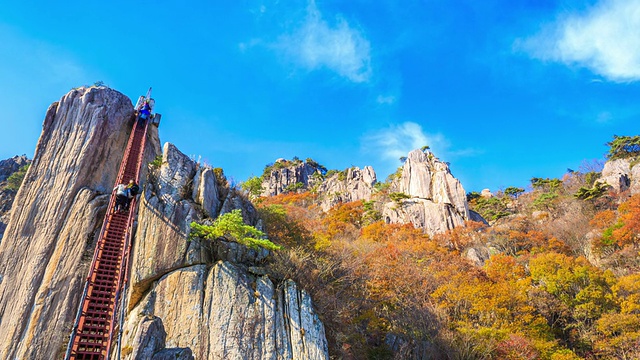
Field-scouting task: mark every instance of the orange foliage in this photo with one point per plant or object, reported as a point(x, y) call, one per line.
point(502, 267)
point(629, 211)
point(343, 217)
point(462, 236)
point(603, 219)
point(371, 280)
point(299, 199)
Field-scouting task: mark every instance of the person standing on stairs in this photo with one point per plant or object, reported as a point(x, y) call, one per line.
point(145, 110)
point(122, 197)
point(132, 191)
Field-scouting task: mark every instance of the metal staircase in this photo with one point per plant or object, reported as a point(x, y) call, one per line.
point(97, 315)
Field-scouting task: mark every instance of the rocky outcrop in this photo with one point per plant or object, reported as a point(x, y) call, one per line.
point(205, 294)
point(9, 166)
point(7, 195)
point(49, 240)
point(429, 196)
point(349, 185)
point(622, 175)
point(284, 176)
point(180, 192)
point(222, 312)
point(149, 342)
point(634, 188)
point(616, 173)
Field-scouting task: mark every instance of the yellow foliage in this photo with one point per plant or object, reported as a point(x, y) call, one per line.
point(627, 293)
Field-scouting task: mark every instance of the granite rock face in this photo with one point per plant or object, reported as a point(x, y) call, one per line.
point(622, 175)
point(435, 200)
point(616, 173)
point(287, 175)
point(222, 312)
point(188, 298)
point(201, 292)
point(349, 185)
point(49, 240)
point(635, 180)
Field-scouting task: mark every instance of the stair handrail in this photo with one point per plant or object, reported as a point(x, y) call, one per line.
point(107, 219)
point(126, 249)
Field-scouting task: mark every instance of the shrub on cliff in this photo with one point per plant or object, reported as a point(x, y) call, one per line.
point(232, 226)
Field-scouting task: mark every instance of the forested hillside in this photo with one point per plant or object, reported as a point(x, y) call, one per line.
point(554, 275)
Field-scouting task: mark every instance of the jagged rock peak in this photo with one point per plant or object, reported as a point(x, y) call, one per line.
point(431, 198)
point(201, 298)
point(11, 165)
point(55, 217)
point(291, 175)
point(352, 184)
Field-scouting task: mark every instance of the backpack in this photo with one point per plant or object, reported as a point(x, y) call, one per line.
point(133, 190)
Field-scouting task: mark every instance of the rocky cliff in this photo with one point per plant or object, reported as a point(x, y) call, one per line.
point(54, 219)
point(290, 175)
point(426, 194)
point(187, 298)
point(429, 196)
point(209, 299)
point(351, 184)
point(622, 175)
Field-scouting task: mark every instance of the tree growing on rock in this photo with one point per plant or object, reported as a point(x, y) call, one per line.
point(623, 147)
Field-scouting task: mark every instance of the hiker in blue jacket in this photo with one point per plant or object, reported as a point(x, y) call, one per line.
point(145, 110)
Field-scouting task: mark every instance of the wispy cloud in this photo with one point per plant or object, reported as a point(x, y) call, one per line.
point(341, 48)
point(386, 99)
point(603, 39)
point(399, 139)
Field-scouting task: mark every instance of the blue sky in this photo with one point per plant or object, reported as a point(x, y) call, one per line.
point(502, 90)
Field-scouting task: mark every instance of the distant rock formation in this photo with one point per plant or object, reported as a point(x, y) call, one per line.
point(431, 198)
point(428, 196)
point(486, 193)
point(622, 175)
point(349, 185)
point(7, 168)
point(290, 175)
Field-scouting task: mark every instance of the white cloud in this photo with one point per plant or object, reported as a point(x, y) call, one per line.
point(398, 140)
point(604, 39)
point(604, 117)
point(343, 49)
point(386, 99)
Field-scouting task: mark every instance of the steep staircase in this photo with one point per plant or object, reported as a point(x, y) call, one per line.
point(96, 320)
